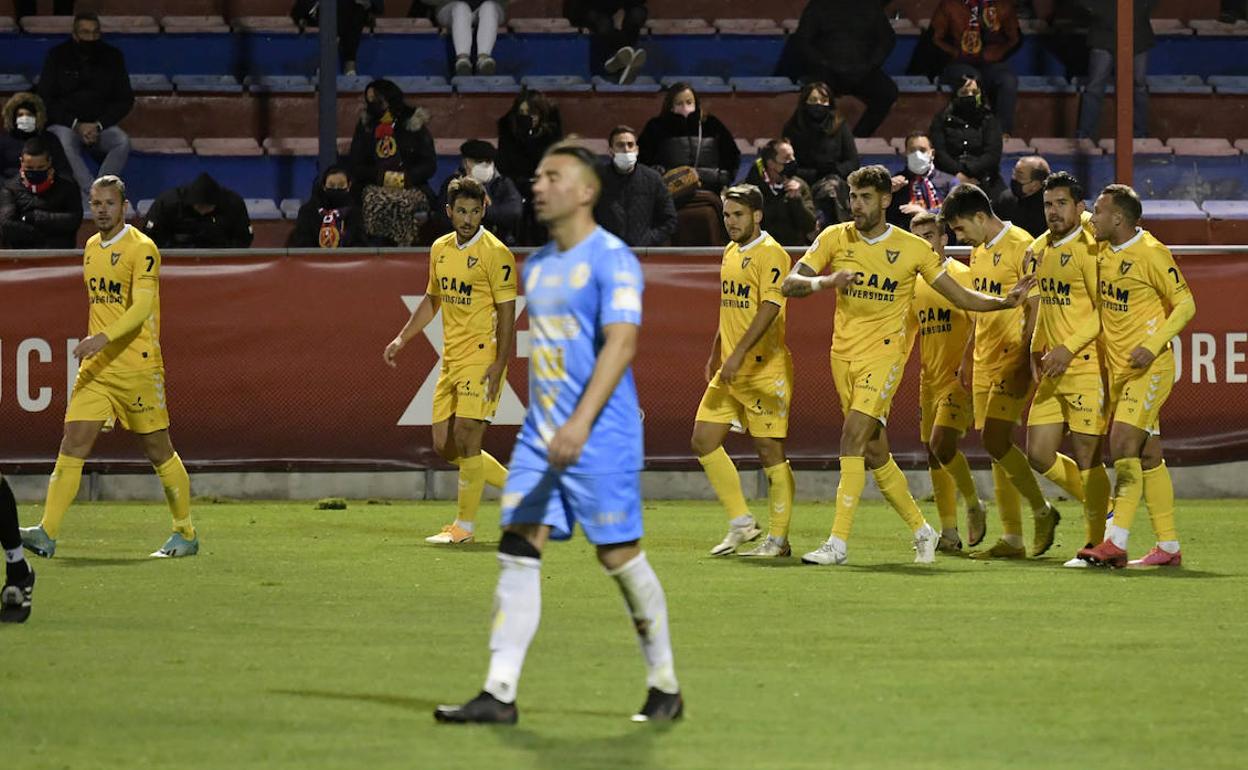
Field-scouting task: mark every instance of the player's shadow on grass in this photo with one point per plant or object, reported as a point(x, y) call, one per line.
point(100, 561)
point(422, 705)
point(462, 548)
point(631, 748)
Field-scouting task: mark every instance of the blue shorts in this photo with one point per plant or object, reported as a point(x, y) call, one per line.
point(607, 506)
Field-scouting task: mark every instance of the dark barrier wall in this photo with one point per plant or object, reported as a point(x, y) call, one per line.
point(276, 362)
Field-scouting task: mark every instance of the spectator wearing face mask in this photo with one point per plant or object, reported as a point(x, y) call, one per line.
point(25, 118)
point(39, 209)
point(920, 187)
point(683, 135)
point(504, 204)
point(978, 36)
point(968, 142)
point(825, 149)
point(524, 133)
point(1023, 202)
point(788, 207)
point(331, 218)
point(634, 204)
point(199, 215)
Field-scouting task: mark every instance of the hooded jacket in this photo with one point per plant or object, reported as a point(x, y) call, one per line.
point(173, 223)
point(12, 140)
point(415, 148)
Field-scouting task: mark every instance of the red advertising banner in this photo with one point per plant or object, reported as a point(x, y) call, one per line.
point(275, 361)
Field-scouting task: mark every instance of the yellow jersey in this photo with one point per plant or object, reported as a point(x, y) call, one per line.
point(749, 276)
point(1139, 285)
point(470, 280)
point(1066, 283)
point(872, 314)
point(995, 267)
point(112, 271)
point(943, 328)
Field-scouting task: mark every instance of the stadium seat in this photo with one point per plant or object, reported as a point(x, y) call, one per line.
point(227, 84)
point(747, 27)
point(290, 207)
point(763, 85)
point(679, 27)
point(232, 147)
point(1226, 209)
point(356, 84)
point(129, 25)
point(485, 84)
point(703, 84)
point(1241, 145)
point(788, 25)
point(387, 25)
point(265, 25)
point(1171, 27)
point(7, 25)
point(1080, 82)
point(1177, 84)
point(1172, 209)
point(914, 84)
point(1140, 146)
point(446, 146)
point(1012, 146)
point(162, 145)
point(10, 83)
point(596, 146)
point(144, 206)
point(1047, 146)
point(302, 145)
point(1229, 84)
point(904, 26)
point(150, 84)
point(1045, 84)
point(47, 25)
point(542, 26)
point(417, 84)
point(1215, 28)
point(1029, 26)
point(556, 83)
point(1206, 147)
point(874, 145)
point(642, 85)
point(194, 25)
point(278, 84)
point(263, 209)
point(747, 147)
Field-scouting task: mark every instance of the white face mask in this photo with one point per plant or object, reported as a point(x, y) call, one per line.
point(624, 161)
point(482, 172)
point(919, 163)
point(25, 123)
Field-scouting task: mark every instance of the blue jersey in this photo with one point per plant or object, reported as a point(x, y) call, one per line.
point(571, 297)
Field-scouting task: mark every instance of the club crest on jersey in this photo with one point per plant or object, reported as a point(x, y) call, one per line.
point(1124, 267)
point(996, 259)
point(114, 257)
point(1066, 258)
point(472, 262)
point(745, 262)
point(892, 256)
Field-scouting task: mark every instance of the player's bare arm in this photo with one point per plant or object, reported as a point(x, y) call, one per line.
point(767, 313)
point(420, 318)
point(613, 360)
point(969, 299)
point(505, 333)
point(802, 281)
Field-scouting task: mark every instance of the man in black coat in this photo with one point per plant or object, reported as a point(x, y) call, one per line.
point(635, 204)
point(199, 215)
point(1023, 203)
point(788, 207)
point(477, 159)
point(39, 209)
point(87, 92)
point(844, 44)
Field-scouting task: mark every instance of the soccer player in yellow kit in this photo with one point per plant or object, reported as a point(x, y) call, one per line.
point(1070, 394)
point(121, 376)
point(874, 267)
point(944, 332)
point(1001, 382)
point(1145, 302)
point(749, 376)
point(472, 280)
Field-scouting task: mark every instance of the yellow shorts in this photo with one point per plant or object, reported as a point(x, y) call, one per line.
point(868, 386)
point(1075, 399)
point(1000, 395)
point(1136, 396)
point(758, 403)
point(136, 399)
point(947, 405)
point(460, 392)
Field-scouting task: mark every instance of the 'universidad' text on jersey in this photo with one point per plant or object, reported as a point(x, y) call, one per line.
point(1066, 275)
point(112, 271)
point(749, 276)
point(1140, 284)
point(470, 280)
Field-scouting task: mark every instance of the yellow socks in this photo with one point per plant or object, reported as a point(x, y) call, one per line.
point(1015, 464)
point(495, 472)
point(946, 495)
point(62, 489)
point(177, 484)
point(1009, 505)
point(1065, 473)
point(892, 484)
point(471, 485)
point(1096, 502)
point(780, 495)
point(726, 482)
point(853, 480)
point(1159, 494)
point(1127, 492)
point(960, 470)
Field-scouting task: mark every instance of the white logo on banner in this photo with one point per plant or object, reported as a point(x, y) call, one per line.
point(420, 410)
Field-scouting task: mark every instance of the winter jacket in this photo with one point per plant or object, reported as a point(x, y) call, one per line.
point(791, 221)
point(47, 221)
point(90, 86)
point(502, 216)
point(12, 140)
point(819, 149)
point(670, 140)
point(969, 144)
point(521, 145)
point(173, 224)
point(636, 207)
point(847, 39)
point(418, 157)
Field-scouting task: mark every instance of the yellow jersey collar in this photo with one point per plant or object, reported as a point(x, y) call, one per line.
point(105, 244)
point(872, 241)
point(1139, 233)
point(472, 240)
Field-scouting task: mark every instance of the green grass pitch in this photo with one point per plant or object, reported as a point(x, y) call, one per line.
point(306, 639)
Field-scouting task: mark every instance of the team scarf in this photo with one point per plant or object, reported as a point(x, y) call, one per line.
point(923, 192)
point(333, 228)
point(386, 147)
point(37, 189)
point(982, 12)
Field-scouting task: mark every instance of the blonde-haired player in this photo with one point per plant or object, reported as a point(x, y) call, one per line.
point(944, 331)
point(749, 376)
point(472, 280)
point(874, 266)
point(1145, 302)
point(1001, 381)
point(121, 377)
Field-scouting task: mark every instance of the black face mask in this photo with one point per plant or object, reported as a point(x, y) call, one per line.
point(376, 109)
point(36, 178)
point(965, 106)
point(1017, 189)
point(88, 47)
point(336, 198)
point(817, 112)
point(790, 168)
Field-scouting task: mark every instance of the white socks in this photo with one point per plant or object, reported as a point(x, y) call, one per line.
point(517, 609)
point(741, 522)
point(13, 555)
point(648, 607)
point(1117, 535)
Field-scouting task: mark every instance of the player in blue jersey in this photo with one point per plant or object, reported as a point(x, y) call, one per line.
point(578, 457)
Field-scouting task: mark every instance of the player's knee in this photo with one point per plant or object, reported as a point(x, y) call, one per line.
point(514, 544)
point(701, 445)
point(1041, 459)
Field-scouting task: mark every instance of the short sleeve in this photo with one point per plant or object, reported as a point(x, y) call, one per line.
point(620, 286)
point(771, 272)
point(433, 288)
point(819, 255)
point(503, 276)
point(929, 262)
